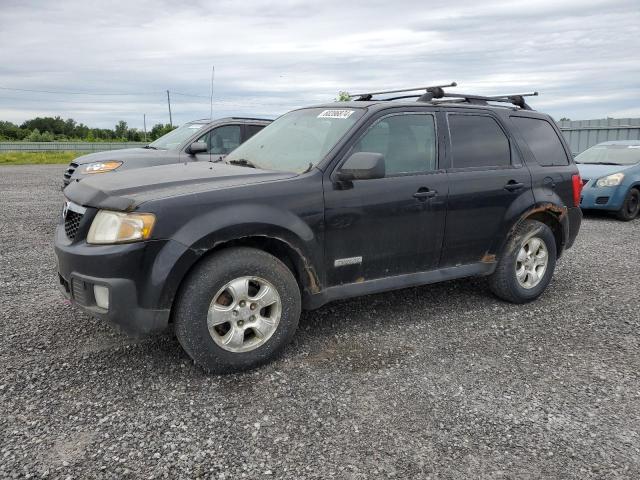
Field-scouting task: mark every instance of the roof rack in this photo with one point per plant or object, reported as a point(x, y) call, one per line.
point(437, 92)
point(363, 97)
point(515, 99)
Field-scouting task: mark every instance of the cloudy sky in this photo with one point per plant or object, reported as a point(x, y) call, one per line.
point(106, 61)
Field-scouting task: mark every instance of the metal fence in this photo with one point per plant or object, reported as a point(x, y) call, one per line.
point(582, 134)
point(67, 146)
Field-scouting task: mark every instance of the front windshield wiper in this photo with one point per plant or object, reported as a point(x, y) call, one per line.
point(151, 147)
point(600, 163)
point(243, 162)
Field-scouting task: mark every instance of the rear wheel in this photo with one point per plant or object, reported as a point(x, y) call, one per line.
point(631, 206)
point(237, 310)
point(527, 263)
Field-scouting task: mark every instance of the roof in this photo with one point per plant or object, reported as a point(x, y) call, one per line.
point(376, 105)
point(229, 119)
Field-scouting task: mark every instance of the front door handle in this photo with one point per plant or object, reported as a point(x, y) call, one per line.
point(424, 193)
point(512, 186)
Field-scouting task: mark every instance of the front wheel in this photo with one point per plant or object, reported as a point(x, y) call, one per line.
point(238, 309)
point(527, 263)
point(631, 206)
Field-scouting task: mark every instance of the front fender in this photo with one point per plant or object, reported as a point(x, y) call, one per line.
point(206, 232)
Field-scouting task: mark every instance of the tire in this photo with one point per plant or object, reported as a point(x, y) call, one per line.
point(630, 207)
point(510, 274)
point(213, 291)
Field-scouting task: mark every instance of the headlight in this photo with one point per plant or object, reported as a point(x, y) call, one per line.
point(118, 227)
point(100, 167)
point(610, 180)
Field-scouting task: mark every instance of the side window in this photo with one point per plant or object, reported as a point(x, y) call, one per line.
point(543, 141)
point(408, 143)
point(251, 130)
point(222, 140)
point(477, 141)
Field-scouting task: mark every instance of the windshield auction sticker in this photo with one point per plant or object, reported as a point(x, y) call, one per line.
point(335, 114)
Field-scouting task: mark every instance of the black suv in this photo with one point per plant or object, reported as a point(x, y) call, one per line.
point(200, 140)
point(325, 203)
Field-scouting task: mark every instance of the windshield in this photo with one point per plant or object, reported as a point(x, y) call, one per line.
point(611, 154)
point(296, 141)
point(175, 138)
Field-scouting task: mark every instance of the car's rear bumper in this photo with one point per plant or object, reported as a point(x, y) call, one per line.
point(574, 220)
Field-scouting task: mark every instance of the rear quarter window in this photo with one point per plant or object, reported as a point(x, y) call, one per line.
point(542, 140)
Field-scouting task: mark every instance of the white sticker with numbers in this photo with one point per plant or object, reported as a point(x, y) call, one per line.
point(335, 114)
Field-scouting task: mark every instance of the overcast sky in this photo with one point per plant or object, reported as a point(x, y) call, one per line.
point(270, 57)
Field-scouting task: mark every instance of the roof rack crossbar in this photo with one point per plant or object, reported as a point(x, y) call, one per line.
point(369, 95)
point(516, 99)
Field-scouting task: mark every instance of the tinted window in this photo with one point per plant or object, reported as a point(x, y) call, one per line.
point(408, 143)
point(542, 140)
point(477, 141)
point(222, 140)
point(251, 130)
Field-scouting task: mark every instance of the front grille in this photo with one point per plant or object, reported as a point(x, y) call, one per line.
point(69, 172)
point(72, 224)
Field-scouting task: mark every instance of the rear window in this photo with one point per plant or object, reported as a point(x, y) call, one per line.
point(542, 140)
point(477, 141)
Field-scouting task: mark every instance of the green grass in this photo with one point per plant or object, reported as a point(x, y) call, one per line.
point(37, 158)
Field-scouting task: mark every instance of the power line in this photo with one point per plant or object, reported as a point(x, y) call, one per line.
point(60, 92)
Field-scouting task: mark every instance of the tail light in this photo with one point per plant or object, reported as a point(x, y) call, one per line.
point(577, 189)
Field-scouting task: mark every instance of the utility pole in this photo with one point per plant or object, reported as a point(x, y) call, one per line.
point(169, 103)
point(144, 120)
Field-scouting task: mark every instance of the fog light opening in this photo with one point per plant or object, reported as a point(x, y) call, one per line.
point(101, 294)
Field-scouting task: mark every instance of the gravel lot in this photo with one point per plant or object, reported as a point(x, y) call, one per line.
point(442, 381)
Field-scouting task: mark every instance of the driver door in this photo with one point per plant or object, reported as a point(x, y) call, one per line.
point(383, 227)
point(220, 142)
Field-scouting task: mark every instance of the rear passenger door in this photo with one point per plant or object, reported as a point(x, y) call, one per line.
point(488, 185)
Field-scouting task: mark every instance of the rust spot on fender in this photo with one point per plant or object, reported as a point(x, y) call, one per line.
point(488, 258)
point(312, 276)
point(543, 208)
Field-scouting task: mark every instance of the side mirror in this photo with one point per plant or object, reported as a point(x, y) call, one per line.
point(362, 166)
point(197, 147)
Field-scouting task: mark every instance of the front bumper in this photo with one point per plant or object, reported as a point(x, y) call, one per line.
point(135, 275)
point(602, 198)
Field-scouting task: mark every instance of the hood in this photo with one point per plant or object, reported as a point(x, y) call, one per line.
point(122, 155)
point(127, 189)
point(592, 172)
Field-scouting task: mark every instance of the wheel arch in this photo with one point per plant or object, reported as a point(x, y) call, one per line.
point(268, 238)
point(552, 215)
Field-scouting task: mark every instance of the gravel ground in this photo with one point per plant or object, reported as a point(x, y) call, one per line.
point(442, 381)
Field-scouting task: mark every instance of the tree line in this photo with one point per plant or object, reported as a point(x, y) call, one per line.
point(57, 129)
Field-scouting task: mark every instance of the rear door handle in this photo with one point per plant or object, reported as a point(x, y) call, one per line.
point(424, 193)
point(512, 186)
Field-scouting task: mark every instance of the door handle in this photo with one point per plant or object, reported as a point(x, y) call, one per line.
point(512, 186)
point(424, 193)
